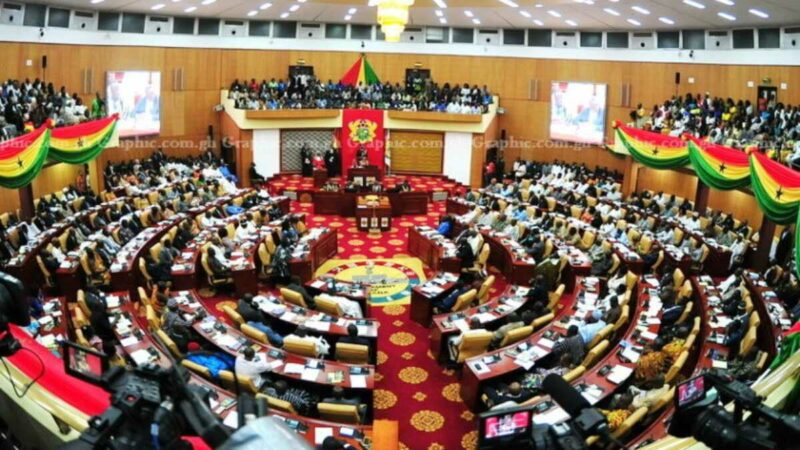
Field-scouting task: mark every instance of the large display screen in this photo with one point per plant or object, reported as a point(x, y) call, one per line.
point(578, 112)
point(136, 97)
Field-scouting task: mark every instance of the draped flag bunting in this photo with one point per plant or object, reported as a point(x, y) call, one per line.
point(776, 188)
point(22, 158)
point(360, 73)
point(652, 149)
point(81, 143)
point(717, 166)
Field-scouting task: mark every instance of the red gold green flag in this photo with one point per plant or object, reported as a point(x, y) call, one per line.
point(22, 158)
point(718, 166)
point(81, 143)
point(776, 188)
point(360, 73)
point(651, 149)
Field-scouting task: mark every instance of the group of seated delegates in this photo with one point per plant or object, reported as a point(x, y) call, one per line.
point(307, 92)
point(783, 280)
point(27, 105)
point(739, 124)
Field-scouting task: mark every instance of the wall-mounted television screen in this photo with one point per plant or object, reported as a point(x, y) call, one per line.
point(136, 97)
point(578, 112)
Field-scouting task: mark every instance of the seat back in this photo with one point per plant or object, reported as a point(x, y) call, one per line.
point(298, 346)
point(573, 374)
point(748, 342)
point(516, 335)
point(171, 346)
point(588, 239)
point(293, 297)
point(555, 296)
point(276, 403)
point(623, 317)
point(626, 426)
point(143, 297)
point(686, 292)
point(263, 255)
point(474, 344)
point(143, 269)
point(155, 250)
point(659, 261)
point(662, 401)
point(352, 353)
point(548, 248)
point(539, 322)
point(615, 262)
point(754, 320)
point(689, 342)
point(483, 256)
point(687, 311)
point(483, 293)
point(465, 300)
point(153, 321)
point(196, 368)
point(630, 280)
point(234, 315)
point(594, 355)
point(335, 412)
point(678, 278)
point(48, 277)
point(602, 334)
point(254, 333)
point(328, 306)
point(676, 367)
point(81, 298)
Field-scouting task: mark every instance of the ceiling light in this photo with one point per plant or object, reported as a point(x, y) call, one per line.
point(348, 17)
point(538, 5)
point(538, 22)
point(571, 23)
point(695, 4)
point(94, 2)
point(440, 3)
point(509, 3)
point(294, 8)
point(640, 10)
point(726, 16)
point(468, 13)
point(252, 13)
point(442, 20)
point(393, 17)
point(759, 13)
point(284, 15)
point(613, 12)
point(352, 11)
point(207, 2)
point(667, 20)
point(525, 14)
point(190, 9)
point(439, 13)
point(265, 6)
point(157, 7)
point(726, 2)
point(554, 13)
point(634, 22)
point(476, 21)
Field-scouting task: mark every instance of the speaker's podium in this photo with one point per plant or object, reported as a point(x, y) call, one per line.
point(364, 175)
point(373, 213)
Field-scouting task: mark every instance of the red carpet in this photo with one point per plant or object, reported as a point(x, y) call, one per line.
point(411, 388)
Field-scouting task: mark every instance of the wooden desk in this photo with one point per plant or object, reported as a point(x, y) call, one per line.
point(320, 250)
point(422, 298)
point(432, 251)
point(408, 203)
point(348, 289)
point(774, 318)
point(365, 172)
point(458, 206)
point(345, 204)
point(369, 216)
point(320, 177)
point(335, 203)
point(510, 258)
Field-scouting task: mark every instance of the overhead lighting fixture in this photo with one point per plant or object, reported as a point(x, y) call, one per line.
point(190, 9)
point(294, 8)
point(758, 12)
point(640, 10)
point(571, 23)
point(348, 17)
point(439, 13)
point(468, 13)
point(265, 6)
point(726, 2)
point(613, 12)
point(538, 22)
point(554, 13)
point(352, 11)
point(667, 20)
point(509, 3)
point(252, 13)
point(525, 14)
point(695, 4)
point(94, 2)
point(634, 22)
point(726, 16)
point(440, 3)
point(442, 20)
point(284, 15)
point(393, 17)
point(207, 2)
point(157, 7)
point(476, 21)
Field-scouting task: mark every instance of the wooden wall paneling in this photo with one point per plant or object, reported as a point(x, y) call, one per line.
point(742, 205)
point(417, 152)
point(54, 178)
point(9, 200)
point(669, 181)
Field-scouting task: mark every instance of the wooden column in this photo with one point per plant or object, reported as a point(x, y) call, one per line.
point(765, 236)
point(26, 202)
point(701, 197)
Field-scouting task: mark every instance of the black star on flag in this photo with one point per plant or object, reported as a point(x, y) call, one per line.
point(19, 162)
point(779, 193)
point(655, 151)
point(722, 167)
point(80, 142)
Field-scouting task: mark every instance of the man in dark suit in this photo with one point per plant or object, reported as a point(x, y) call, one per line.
point(353, 338)
point(246, 309)
point(784, 246)
point(297, 286)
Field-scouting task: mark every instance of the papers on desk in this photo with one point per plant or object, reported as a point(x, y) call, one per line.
point(226, 340)
point(232, 419)
point(112, 301)
point(485, 317)
point(546, 343)
point(650, 336)
point(720, 322)
point(619, 374)
point(320, 433)
point(554, 415)
point(128, 341)
point(293, 368)
point(631, 355)
point(719, 364)
point(141, 357)
point(461, 324)
point(432, 289)
point(317, 284)
point(66, 264)
point(358, 381)
point(310, 374)
point(652, 282)
point(317, 325)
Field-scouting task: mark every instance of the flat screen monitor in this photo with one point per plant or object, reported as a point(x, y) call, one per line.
point(505, 427)
point(578, 112)
point(136, 96)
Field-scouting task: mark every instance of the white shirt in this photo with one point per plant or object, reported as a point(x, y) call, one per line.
point(349, 307)
point(253, 368)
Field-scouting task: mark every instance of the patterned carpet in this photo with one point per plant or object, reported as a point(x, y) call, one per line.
point(411, 388)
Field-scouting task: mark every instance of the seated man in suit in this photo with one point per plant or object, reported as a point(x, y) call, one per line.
point(571, 345)
point(513, 322)
point(475, 327)
point(254, 366)
point(96, 302)
point(338, 398)
point(297, 286)
point(178, 328)
point(352, 336)
point(97, 268)
point(50, 261)
point(508, 396)
point(218, 267)
point(247, 307)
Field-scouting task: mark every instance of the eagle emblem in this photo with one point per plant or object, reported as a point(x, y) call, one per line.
point(362, 131)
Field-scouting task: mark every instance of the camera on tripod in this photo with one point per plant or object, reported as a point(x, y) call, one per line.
point(699, 412)
point(151, 406)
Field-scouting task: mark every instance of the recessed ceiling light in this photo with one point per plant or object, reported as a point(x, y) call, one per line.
point(352, 11)
point(252, 13)
point(157, 7)
point(439, 13)
point(554, 13)
point(634, 22)
point(571, 23)
point(667, 20)
point(468, 13)
point(442, 20)
point(265, 6)
point(348, 17)
point(640, 10)
point(538, 5)
point(94, 2)
point(207, 2)
point(284, 15)
point(476, 21)
point(440, 3)
point(727, 2)
point(726, 16)
point(525, 14)
point(695, 4)
point(190, 9)
point(294, 8)
point(509, 3)
point(613, 12)
point(538, 22)
point(759, 13)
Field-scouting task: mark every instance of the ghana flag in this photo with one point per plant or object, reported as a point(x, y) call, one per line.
point(776, 188)
point(651, 149)
point(22, 158)
point(360, 73)
point(718, 166)
point(81, 143)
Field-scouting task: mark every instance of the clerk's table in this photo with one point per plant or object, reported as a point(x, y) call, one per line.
point(372, 212)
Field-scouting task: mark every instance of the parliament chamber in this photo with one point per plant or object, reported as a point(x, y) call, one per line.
point(399, 224)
